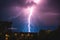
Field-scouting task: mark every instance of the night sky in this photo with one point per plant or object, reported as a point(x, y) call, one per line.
point(46, 22)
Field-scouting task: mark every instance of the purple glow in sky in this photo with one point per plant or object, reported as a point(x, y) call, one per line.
point(34, 11)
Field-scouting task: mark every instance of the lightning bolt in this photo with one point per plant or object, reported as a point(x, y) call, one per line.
point(30, 14)
point(31, 9)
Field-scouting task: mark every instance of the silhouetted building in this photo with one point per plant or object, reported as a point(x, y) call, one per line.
point(4, 25)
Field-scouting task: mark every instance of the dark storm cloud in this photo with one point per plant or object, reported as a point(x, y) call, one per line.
point(3, 3)
point(54, 4)
point(6, 3)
